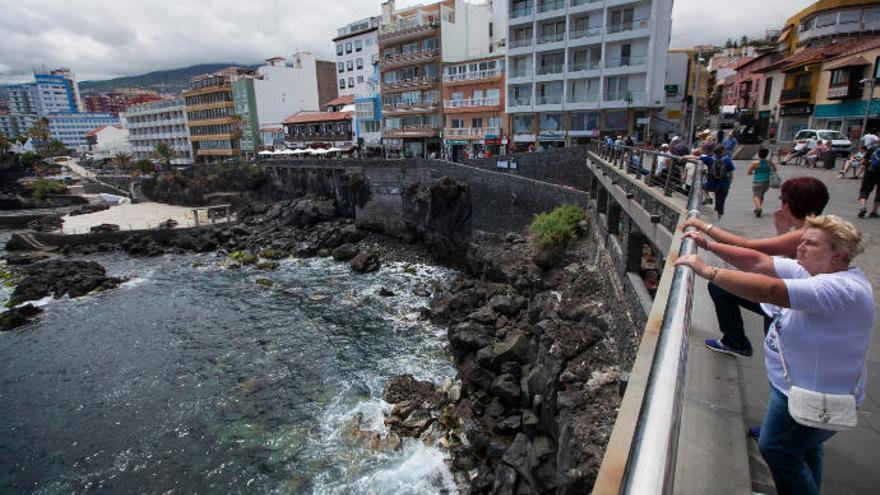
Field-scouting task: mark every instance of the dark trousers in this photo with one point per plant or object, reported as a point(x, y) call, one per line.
point(720, 198)
point(727, 309)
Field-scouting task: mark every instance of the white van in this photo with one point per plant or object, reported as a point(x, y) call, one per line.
point(840, 144)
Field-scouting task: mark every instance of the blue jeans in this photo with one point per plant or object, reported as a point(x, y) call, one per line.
point(728, 309)
point(793, 452)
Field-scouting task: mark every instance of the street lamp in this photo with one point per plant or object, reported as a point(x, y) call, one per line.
point(870, 82)
point(696, 99)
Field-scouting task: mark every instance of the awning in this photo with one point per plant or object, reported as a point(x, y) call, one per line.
point(858, 61)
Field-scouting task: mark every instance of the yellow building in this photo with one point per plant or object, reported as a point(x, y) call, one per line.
point(210, 114)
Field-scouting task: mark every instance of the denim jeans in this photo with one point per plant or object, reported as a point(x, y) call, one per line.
point(727, 309)
point(720, 198)
point(793, 452)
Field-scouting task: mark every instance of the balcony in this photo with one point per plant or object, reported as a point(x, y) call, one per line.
point(521, 101)
point(551, 38)
point(408, 29)
point(795, 94)
point(550, 5)
point(585, 33)
point(629, 25)
point(582, 66)
point(425, 130)
point(414, 83)
point(843, 92)
point(516, 74)
point(577, 3)
point(520, 12)
point(549, 71)
point(471, 132)
point(627, 96)
point(583, 98)
point(521, 43)
point(472, 76)
point(472, 102)
point(549, 100)
point(631, 61)
point(402, 59)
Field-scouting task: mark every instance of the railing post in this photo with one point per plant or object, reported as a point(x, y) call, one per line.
point(654, 160)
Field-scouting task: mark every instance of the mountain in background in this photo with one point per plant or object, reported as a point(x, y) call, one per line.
point(172, 81)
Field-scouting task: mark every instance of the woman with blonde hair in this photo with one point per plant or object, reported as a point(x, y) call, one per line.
point(823, 319)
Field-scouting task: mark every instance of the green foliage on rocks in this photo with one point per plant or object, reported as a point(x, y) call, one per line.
point(243, 257)
point(265, 282)
point(267, 265)
point(273, 254)
point(556, 228)
point(42, 188)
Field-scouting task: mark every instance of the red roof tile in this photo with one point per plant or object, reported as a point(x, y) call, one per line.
point(342, 100)
point(309, 117)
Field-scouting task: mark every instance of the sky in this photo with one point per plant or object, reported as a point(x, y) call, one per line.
point(102, 39)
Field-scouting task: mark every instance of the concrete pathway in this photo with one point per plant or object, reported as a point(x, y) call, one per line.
point(852, 459)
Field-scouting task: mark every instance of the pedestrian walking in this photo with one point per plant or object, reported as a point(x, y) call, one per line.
point(760, 171)
point(720, 176)
point(730, 143)
point(870, 182)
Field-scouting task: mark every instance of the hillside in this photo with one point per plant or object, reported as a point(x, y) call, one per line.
point(171, 81)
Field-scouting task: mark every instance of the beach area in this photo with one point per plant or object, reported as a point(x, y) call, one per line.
point(130, 216)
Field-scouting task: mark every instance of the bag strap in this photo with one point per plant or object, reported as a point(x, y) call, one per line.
point(776, 317)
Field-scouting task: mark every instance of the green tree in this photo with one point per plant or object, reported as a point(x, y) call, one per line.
point(165, 153)
point(143, 167)
point(5, 144)
point(40, 132)
point(27, 159)
point(54, 147)
point(122, 161)
point(744, 41)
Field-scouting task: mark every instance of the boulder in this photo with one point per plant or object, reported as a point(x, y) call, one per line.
point(469, 336)
point(345, 252)
point(18, 316)
point(365, 262)
point(59, 277)
point(515, 347)
point(507, 388)
point(104, 228)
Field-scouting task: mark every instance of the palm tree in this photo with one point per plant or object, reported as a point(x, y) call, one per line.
point(165, 153)
point(40, 132)
point(122, 161)
point(5, 144)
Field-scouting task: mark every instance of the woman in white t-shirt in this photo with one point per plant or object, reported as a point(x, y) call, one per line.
point(824, 318)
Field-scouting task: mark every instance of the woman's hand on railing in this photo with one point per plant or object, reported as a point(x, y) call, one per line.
point(696, 223)
point(698, 238)
point(699, 266)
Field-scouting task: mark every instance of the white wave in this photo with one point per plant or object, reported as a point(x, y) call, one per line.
point(40, 303)
point(418, 469)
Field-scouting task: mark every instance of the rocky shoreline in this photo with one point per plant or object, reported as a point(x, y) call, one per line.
point(542, 352)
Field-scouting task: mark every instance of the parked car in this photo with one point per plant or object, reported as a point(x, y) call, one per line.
point(840, 144)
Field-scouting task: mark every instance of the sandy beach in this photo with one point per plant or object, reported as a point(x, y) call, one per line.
point(130, 217)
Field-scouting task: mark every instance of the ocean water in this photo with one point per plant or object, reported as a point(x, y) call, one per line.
point(193, 378)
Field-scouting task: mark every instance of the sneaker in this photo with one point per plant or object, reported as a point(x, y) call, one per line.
point(759, 213)
point(717, 346)
point(862, 213)
point(873, 214)
point(755, 432)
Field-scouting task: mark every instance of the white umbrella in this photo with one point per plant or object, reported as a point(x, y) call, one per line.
point(333, 150)
point(266, 152)
point(285, 152)
point(300, 152)
point(319, 152)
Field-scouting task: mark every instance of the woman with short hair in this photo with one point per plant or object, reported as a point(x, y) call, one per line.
point(823, 312)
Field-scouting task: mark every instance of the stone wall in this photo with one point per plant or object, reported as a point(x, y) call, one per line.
point(564, 166)
point(71, 240)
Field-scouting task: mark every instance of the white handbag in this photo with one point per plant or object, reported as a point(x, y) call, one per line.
point(834, 412)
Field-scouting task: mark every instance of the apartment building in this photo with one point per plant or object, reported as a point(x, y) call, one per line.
point(410, 65)
point(278, 89)
point(72, 128)
point(152, 123)
point(332, 127)
point(108, 141)
point(578, 68)
point(473, 48)
point(357, 52)
point(210, 111)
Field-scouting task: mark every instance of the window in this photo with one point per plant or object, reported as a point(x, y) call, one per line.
point(457, 123)
point(522, 124)
point(826, 20)
point(850, 16)
point(360, 79)
point(350, 65)
point(551, 63)
point(348, 47)
point(350, 82)
point(621, 20)
point(358, 45)
point(339, 49)
point(839, 77)
point(477, 123)
point(625, 51)
point(617, 88)
point(457, 95)
point(551, 122)
point(340, 66)
point(342, 83)
point(494, 122)
point(490, 30)
point(584, 121)
point(615, 119)
point(768, 87)
point(359, 63)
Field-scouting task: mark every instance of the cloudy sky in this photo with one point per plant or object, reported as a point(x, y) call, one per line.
point(100, 39)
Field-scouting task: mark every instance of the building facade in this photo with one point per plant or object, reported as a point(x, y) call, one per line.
point(16, 124)
point(108, 141)
point(278, 89)
point(410, 65)
point(210, 111)
point(56, 92)
point(152, 123)
point(842, 100)
point(334, 127)
point(72, 128)
point(580, 68)
point(357, 52)
point(114, 103)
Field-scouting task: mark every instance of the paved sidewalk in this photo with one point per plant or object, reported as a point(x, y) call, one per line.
point(851, 458)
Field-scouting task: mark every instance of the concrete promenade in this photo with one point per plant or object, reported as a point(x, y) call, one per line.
point(852, 459)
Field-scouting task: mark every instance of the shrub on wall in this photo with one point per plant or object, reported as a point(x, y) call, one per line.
point(553, 230)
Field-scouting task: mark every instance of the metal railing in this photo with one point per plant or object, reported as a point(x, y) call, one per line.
point(548, 5)
point(473, 102)
point(582, 66)
point(631, 61)
point(583, 98)
point(662, 170)
point(520, 11)
point(629, 25)
point(520, 42)
point(551, 38)
point(650, 466)
point(472, 76)
point(585, 32)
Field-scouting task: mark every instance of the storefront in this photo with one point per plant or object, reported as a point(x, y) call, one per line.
point(792, 119)
point(847, 116)
point(551, 139)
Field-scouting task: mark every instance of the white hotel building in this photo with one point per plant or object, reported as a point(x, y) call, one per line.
point(580, 67)
point(157, 122)
point(357, 50)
